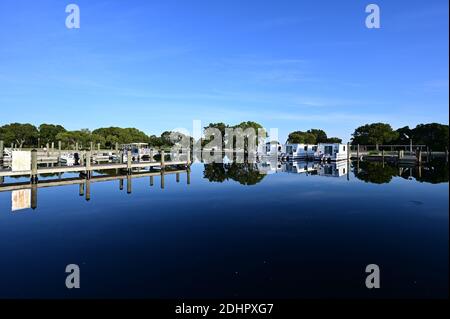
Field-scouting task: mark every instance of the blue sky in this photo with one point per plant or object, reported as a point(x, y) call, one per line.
point(158, 65)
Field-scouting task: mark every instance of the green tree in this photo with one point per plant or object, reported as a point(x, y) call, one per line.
point(48, 132)
point(434, 135)
point(374, 134)
point(19, 134)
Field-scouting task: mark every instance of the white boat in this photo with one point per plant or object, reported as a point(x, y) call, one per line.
point(331, 152)
point(299, 151)
point(67, 159)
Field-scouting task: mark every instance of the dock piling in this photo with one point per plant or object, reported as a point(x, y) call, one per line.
point(34, 176)
point(2, 147)
point(129, 162)
point(88, 164)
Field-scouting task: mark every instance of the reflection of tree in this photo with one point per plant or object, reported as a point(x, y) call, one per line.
point(374, 172)
point(245, 174)
point(433, 172)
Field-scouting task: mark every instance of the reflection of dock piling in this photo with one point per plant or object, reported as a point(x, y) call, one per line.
point(85, 183)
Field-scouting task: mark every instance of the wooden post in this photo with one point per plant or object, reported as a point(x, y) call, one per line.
point(348, 151)
point(129, 162)
point(91, 146)
point(357, 151)
point(128, 184)
point(188, 154)
point(188, 176)
point(162, 179)
point(34, 176)
point(382, 155)
point(88, 164)
point(163, 155)
point(81, 190)
point(98, 146)
point(2, 147)
point(53, 146)
point(419, 157)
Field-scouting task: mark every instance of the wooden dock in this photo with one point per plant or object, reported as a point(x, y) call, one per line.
point(87, 166)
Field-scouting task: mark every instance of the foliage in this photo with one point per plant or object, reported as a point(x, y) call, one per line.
point(19, 134)
point(312, 136)
point(48, 132)
point(375, 133)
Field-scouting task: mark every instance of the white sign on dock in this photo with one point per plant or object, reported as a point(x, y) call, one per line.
point(21, 161)
point(21, 199)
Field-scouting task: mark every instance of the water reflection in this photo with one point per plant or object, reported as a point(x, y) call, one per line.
point(24, 194)
point(245, 174)
point(435, 172)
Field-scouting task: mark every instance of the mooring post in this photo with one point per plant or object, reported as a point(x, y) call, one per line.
point(163, 155)
point(357, 151)
point(34, 177)
point(419, 157)
point(2, 147)
point(348, 151)
point(188, 176)
point(128, 184)
point(53, 146)
point(129, 162)
point(121, 184)
point(162, 179)
point(188, 154)
point(88, 164)
point(33, 196)
point(81, 190)
point(98, 146)
point(446, 154)
point(76, 146)
point(59, 149)
point(382, 155)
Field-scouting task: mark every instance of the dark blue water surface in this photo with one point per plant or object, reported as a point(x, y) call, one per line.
point(234, 233)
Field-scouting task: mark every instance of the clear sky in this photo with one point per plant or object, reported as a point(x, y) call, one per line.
point(158, 65)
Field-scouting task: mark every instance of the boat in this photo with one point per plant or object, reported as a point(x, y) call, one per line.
point(331, 152)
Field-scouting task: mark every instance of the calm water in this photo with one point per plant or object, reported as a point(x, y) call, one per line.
point(233, 232)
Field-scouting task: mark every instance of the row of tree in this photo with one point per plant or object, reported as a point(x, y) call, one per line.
point(312, 136)
point(433, 135)
point(29, 135)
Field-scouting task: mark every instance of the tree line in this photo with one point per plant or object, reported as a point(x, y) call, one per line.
point(29, 135)
point(433, 135)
